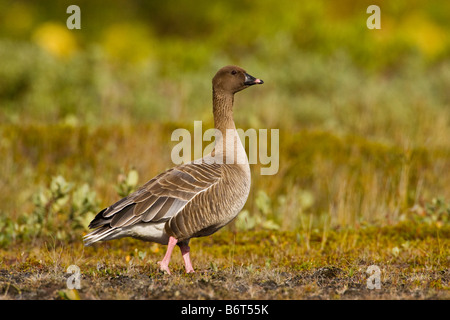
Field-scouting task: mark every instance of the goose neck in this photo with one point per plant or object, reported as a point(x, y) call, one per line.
point(223, 111)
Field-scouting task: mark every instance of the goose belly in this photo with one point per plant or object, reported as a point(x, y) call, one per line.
point(153, 232)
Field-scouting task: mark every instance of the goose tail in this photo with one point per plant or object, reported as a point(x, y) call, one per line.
point(99, 234)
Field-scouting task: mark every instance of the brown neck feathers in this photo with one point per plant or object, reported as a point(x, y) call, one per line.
point(223, 111)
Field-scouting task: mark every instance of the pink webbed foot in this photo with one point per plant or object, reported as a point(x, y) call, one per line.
point(163, 267)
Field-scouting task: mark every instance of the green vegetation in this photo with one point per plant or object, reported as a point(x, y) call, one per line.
point(86, 116)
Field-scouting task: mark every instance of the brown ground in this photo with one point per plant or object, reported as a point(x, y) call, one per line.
point(252, 265)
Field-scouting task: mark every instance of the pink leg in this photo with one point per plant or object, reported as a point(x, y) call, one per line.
point(187, 260)
point(164, 264)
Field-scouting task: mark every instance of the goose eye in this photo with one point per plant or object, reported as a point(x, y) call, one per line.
point(233, 72)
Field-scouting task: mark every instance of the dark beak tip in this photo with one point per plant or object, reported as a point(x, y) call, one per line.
point(253, 82)
point(250, 80)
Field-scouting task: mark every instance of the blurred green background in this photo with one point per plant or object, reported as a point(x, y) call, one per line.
point(152, 60)
point(364, 115)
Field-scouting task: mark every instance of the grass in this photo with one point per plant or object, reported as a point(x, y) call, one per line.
point(413, 261)
point(339, 204)
point(345, 179)
point(364, 176)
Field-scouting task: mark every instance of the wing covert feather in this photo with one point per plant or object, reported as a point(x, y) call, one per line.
point(162, 197)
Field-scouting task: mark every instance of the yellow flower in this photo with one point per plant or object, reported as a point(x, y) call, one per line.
point(426, 35)
point(56, 39)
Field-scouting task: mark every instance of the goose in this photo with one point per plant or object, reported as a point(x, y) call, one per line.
point(190, 200)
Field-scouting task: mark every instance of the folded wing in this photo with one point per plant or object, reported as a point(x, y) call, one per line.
point(159, 199)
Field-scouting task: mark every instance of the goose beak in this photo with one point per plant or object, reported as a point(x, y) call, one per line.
point(249, 80)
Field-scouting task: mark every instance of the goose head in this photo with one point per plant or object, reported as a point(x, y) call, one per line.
point(232, 79)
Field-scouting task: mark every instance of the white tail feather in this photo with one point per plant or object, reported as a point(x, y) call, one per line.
point(98, 235)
